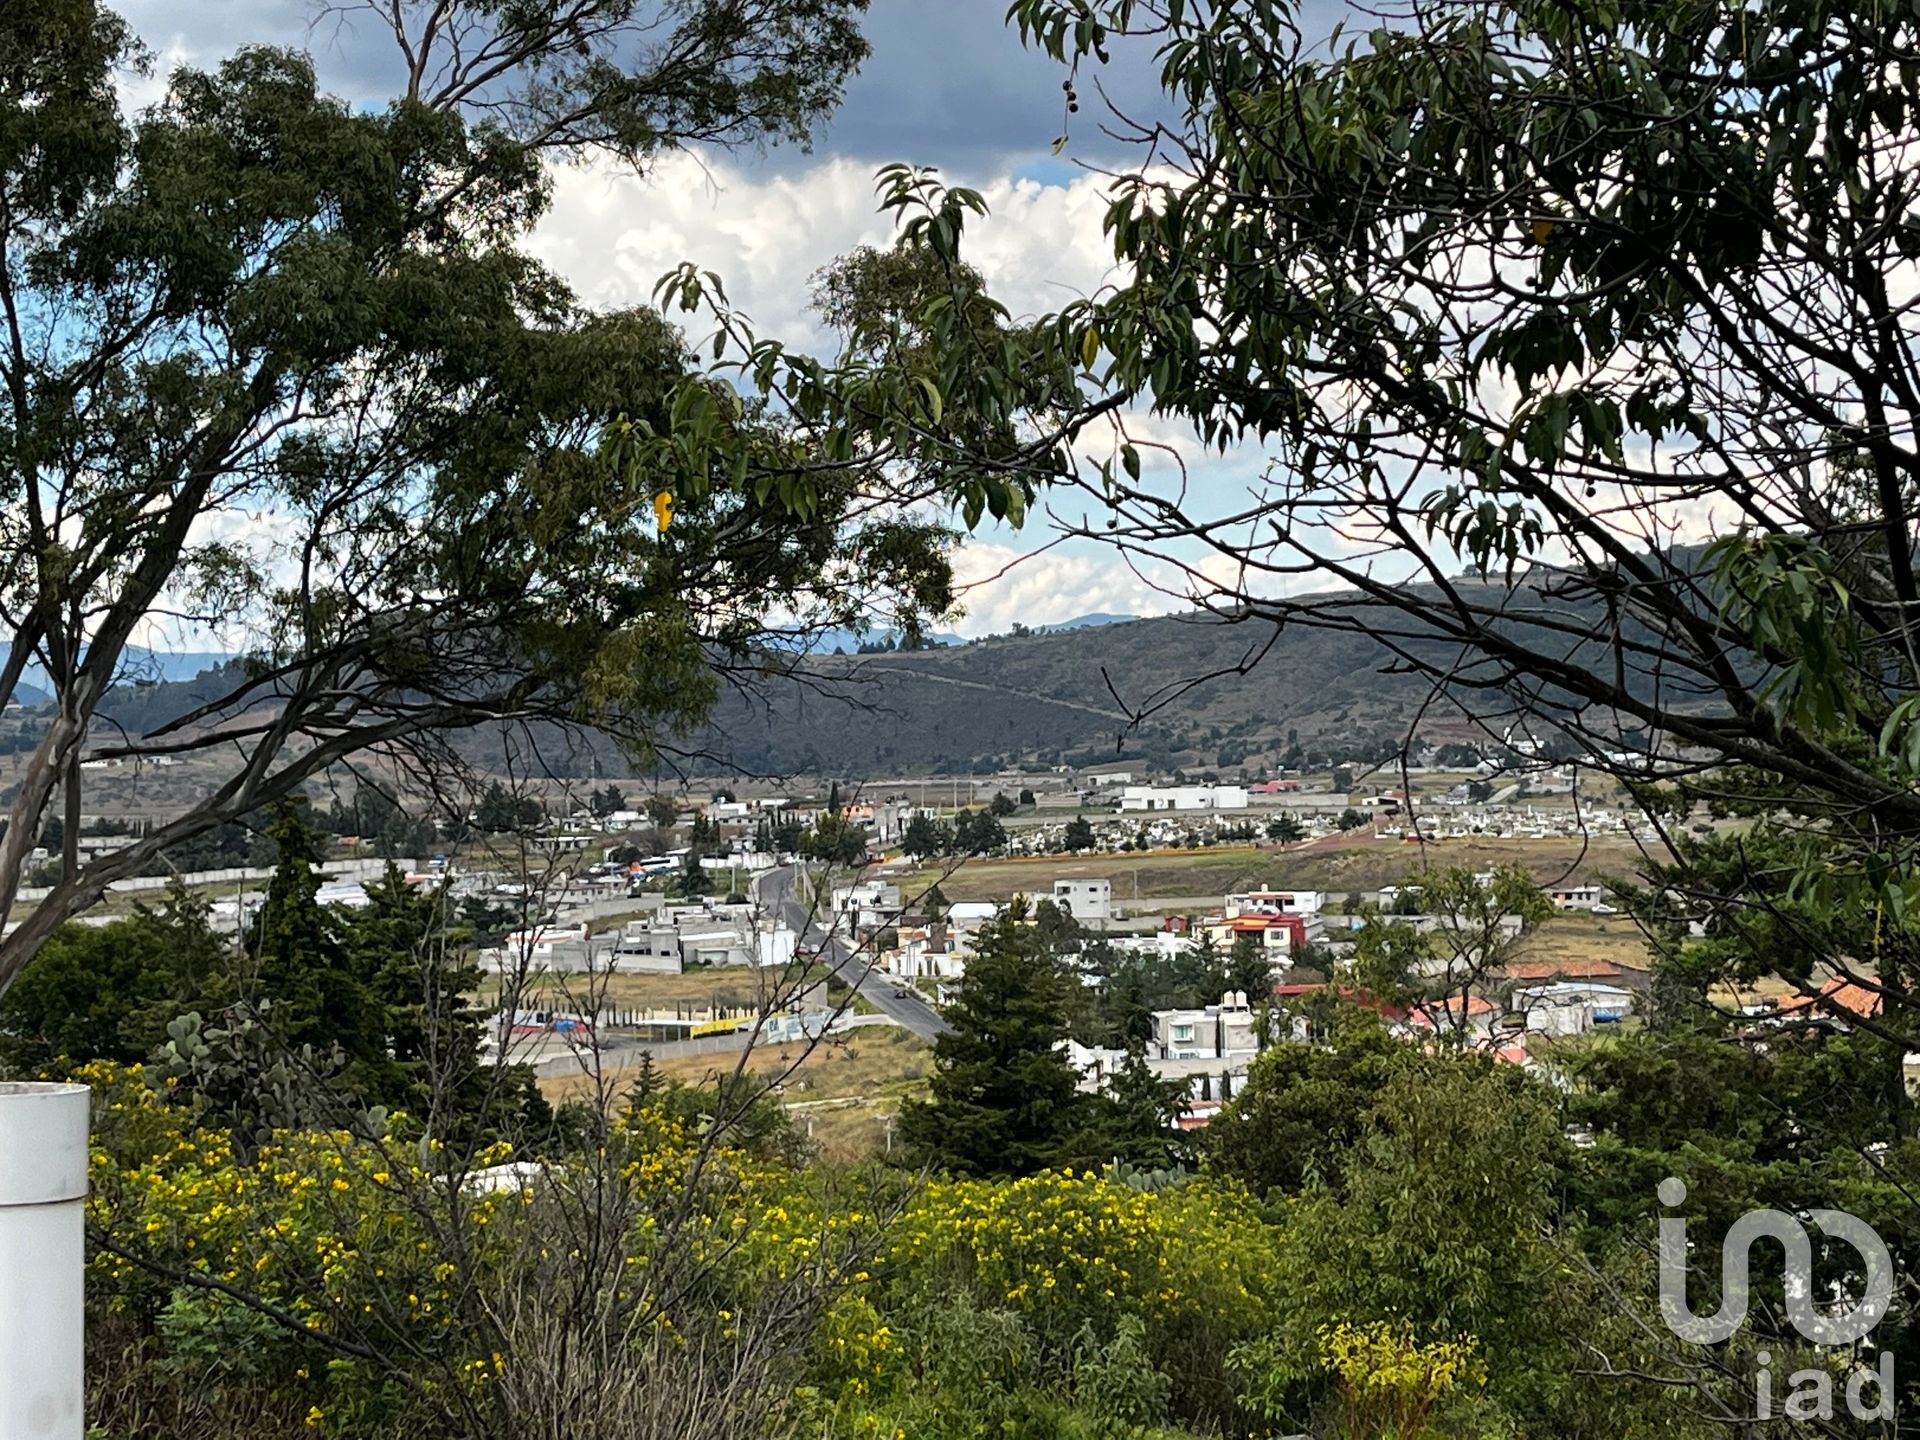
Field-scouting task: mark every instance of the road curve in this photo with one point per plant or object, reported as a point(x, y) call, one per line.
point(773, 891)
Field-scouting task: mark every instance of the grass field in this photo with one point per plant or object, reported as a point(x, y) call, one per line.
point(844, 1093)
point(1334, 867)
point(1587, 937)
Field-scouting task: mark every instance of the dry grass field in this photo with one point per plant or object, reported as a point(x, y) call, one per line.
point(1327, 865)
point(844, 1092)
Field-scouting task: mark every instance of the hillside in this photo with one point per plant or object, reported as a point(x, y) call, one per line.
point(1212, 693)
point(1069, 695)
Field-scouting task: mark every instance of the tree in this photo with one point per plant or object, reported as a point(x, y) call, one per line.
point(934, 902)
point(319, 995)
point(607, 802)
point(691, 880)
point(1352, 819)
point(107, 992)
point(1249, 969)
point(1135, 1117)
point(1079, 835)
point(421, 976)
point(253, 299)
point(662, 812)
point(1304, 1105)
point(977, 832)
point(1002, 805)
point(927, 837)
point(835, 840)
point(1286, 829)
point(1003, 1098)
point(1448, 961)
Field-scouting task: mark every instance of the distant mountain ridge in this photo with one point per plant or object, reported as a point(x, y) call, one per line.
point(848, 642)
point(139, 665)
point(1084, 622)
point(1196, 691)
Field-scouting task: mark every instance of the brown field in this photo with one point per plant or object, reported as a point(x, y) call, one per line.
point(844, 1092)
point(1328, 865)
point(1587, 937)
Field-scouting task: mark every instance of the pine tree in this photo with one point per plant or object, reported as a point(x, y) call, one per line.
point(1004, 1097)
point(692, 880)
point(315, 995)
point(1139, 1114)
point(1249, 968)
point(421, 979)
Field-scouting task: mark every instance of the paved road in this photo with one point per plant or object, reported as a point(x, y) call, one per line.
point(774, 891)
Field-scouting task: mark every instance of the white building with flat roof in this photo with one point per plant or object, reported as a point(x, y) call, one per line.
point(1087, 900)
point(1183, 797)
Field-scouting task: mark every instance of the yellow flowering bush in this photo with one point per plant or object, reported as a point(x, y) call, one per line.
point(1389, 1382)
point(1063, 1248)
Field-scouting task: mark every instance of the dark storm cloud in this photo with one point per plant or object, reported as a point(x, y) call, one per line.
point(948, 83)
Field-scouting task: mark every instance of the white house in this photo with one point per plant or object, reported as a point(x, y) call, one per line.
point(1213, 1032)
point(868, 904)
point(919, 956)
point(1577, 897)
point(1572, 1007)
point(1276, 902)
point(1086, 899)
point(1183, 797)
point(647, 949)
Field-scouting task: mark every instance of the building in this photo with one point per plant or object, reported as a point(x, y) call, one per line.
point(924, 953)
point(646, 948)
point(1088, 900)
point(1212, 1032)
point(1307, 903)
point(1281, 936)
point(1577, 897)
point(867, 904)
point(1183, 797)
point(1572, 1007)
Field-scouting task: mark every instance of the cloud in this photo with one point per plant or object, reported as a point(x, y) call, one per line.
point(613, 234)
point(1001, 585)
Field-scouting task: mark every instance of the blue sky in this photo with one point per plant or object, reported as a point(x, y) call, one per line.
point(948, 84)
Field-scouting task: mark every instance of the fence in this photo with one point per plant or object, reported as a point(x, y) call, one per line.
point(139, 884)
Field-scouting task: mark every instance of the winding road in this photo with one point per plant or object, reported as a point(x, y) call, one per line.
point(773, 890)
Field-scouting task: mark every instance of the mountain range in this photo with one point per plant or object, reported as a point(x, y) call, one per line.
point(1192, 691)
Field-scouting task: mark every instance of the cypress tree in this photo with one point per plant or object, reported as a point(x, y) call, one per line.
point(1005, 1099)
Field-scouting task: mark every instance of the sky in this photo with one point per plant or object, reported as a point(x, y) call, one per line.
point(947, 84)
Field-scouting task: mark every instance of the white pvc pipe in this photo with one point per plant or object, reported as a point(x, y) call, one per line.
point(43, 1190)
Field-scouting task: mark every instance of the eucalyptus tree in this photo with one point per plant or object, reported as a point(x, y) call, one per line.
point(281, 367)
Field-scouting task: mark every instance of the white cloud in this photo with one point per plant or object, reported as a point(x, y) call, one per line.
point(612, 235)
point(1001, 585)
